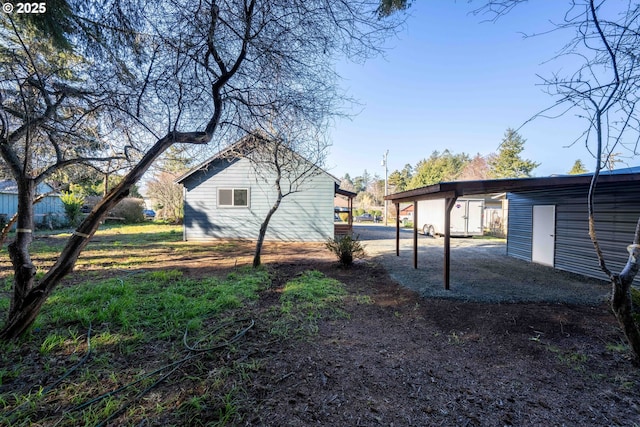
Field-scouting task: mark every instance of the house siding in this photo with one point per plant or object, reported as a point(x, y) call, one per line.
point(617, 209)
point(303, 216)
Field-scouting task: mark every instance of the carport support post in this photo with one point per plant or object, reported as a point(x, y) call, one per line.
point(397, 229)
point(415, 234)
point(449, 202)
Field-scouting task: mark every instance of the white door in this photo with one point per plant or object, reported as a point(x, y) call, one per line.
point(459, 217)
point(474, 221)
point(544, 234)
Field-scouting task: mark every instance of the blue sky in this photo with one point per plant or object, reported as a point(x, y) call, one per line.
point(452, 81)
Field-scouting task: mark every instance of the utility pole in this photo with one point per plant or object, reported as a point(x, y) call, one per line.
point(386, 186)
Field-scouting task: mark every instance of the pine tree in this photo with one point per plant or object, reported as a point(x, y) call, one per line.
point(439, 167)
point(507, 163)
point(578, 168)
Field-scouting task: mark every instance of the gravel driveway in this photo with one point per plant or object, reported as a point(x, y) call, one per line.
point(480, 270)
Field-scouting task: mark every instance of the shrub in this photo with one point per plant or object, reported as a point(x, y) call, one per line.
point(346, 248)
point(72, 203)
point(130, 209)
point(52, 221)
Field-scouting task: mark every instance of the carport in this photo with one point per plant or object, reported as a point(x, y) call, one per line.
point(450, 191)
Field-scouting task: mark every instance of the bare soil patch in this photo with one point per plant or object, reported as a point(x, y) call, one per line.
point(401, 359)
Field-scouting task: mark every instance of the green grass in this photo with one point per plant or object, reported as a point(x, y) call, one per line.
point(572, 359)
point(306, 299)
point(138, 318)
point(160, 303)
point(123, 318)
point(128, 313)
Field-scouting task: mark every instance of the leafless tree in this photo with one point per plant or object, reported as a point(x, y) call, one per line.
point(286, 157)
point(476, 169)
point(167, 196)
point(604, 91)
point(147, 75)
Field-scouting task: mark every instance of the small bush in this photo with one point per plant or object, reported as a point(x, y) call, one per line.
point(346, 248)
point(51, 221)
point(130, 209)
point(72, 203)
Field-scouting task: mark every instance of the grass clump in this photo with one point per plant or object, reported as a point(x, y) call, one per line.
point(308, 298)
point(110, 327)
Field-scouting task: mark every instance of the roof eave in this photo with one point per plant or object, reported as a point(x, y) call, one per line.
point(466, 188)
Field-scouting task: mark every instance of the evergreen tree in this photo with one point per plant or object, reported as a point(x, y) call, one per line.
point(508, 163)
point(361, 183)
point(578, 168)
point(438, 168)
point(399, 180)
point(177, 160)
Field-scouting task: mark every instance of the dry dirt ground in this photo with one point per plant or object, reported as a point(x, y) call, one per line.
point(403, 360)
point(400, 359)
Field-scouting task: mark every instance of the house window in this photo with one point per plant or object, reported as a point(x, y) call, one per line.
point(233, 197)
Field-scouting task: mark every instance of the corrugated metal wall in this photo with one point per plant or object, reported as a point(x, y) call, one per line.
point(617, 211)
point(303, 216)
point(50, 205)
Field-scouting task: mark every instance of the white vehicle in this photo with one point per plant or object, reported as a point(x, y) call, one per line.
point(466, 217)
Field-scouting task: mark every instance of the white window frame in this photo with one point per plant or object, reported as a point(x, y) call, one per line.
point(233, 193)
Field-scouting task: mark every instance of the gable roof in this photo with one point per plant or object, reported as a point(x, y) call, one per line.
point(407, 209)
point(9, 186)
point(235, 151)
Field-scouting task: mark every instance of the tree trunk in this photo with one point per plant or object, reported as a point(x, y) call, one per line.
point(5, 230)
point(263, 231)
point(622, 308)
point(621, 302)
point(23, 268)
point(29, 298)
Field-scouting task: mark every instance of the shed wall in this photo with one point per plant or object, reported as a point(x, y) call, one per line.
point(617, 210)
point(50, 205)
point(306, 215)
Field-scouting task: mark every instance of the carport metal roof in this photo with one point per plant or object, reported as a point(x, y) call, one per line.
point(450, 191)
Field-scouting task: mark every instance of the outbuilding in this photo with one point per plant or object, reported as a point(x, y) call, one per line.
point(551, 227)
point(49, 208)
point(548, 219)
point(228, 197)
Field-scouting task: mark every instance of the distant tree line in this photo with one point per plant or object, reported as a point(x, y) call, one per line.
point(446, 166)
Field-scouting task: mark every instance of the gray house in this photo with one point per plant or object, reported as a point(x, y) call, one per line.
point(50, 205)
point(228, 197)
